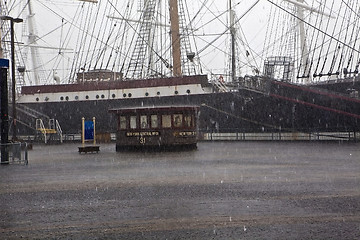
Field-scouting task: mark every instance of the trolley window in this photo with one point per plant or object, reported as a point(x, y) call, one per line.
point(178, 119)
point(144, 122)
point(122, 122)
point(188, 121)
point(154, 121)
point(166, 121)
point(133, 124)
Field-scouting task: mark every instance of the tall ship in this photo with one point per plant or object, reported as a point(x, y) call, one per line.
point(251, 66)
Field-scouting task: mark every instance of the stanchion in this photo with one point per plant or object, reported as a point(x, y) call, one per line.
point(4, 65)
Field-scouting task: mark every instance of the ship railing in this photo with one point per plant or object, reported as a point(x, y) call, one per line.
point(238, 135)
point(59, 130)
point(258, 83)
point(31, 112)
point(54, 127)
point(14, 153)
point(41, 128)
point(219, 84)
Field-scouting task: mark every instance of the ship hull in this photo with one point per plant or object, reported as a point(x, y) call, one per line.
point(278, 107)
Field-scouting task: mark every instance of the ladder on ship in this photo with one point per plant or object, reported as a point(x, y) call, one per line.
point(48, 133)
point(137, 64)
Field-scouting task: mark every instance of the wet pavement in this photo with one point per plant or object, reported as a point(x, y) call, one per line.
point(222, 190)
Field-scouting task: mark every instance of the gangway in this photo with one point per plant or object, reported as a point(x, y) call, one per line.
point(219, 84)
point(53, 129)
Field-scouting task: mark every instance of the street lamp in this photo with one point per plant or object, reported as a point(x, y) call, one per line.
point(12, 21)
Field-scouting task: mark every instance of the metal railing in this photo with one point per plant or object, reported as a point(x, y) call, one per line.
point(40, 127)
point(237, 135)
point(14, 153)
point(59, 130)
point(240, 135)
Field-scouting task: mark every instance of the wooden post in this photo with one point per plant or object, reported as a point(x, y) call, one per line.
point(94, 131)
point(83, 131)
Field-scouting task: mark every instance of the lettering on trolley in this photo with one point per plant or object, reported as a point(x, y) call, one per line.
point(143, 134)
point(185, 134)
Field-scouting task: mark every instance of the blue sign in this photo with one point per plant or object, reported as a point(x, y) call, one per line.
point(89, 130)
point(4, 63)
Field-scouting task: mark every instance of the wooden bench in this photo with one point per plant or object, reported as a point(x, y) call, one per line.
point(86, 149)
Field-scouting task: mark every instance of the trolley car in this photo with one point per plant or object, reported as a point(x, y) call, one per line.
point(166, 127)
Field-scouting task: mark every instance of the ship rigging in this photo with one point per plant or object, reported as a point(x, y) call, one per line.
point(137, 53)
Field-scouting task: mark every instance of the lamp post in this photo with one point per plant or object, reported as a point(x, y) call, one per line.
point(12, 21)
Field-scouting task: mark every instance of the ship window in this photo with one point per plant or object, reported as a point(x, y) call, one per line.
point(97, 96)
point(133, 124)
point(124, 95)
point(76, 97)
point(67, 98)
point(188, 91)
point(122, 122)
point(178, 118)
point(130, 95)
point(154, 121)
point(147, 94)
point(61, 98)
point(87, 97)
point(37, 99)
point(176, 92)
point(102, 96)
point(113, 95)
point(187, 121)
point(166, 121)
point(144, 122)
point(158, 93)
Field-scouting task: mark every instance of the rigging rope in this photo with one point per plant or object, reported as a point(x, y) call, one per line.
point(323, 44)
point(348, 52)
point(227, 28)
point(78, 56)
point(317, 39)
point(138, 34)
point(343, 49)
point(337, 39)
point(90, 46)
point(311, 25)
point(105, 21)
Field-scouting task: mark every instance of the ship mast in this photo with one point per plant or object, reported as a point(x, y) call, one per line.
point(175, 36)
point(32, 42)
point(305, 51)
point(232, 34)
point(305, 62)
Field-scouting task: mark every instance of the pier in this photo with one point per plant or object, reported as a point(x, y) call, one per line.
point(222, 190)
